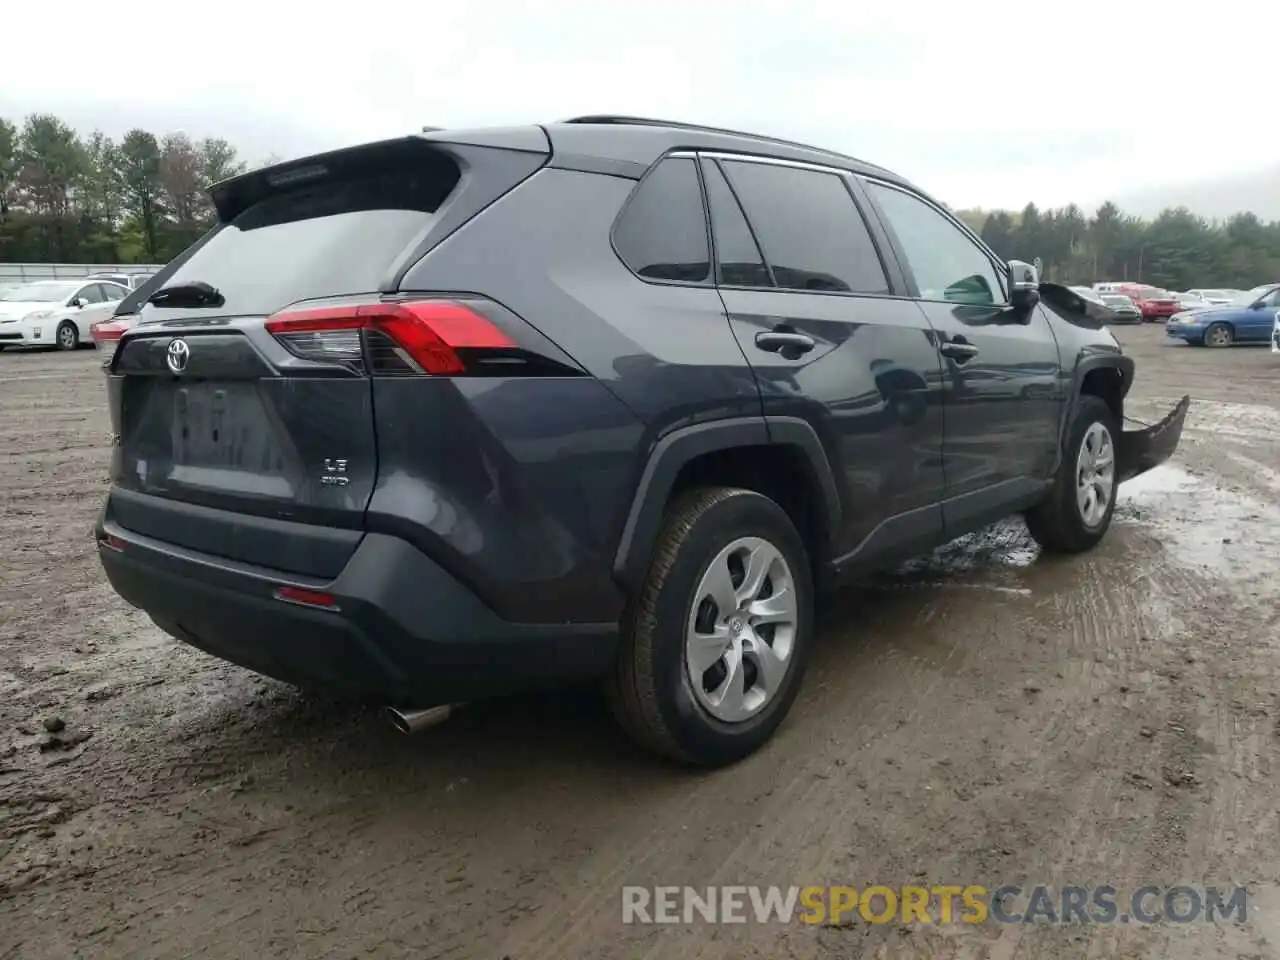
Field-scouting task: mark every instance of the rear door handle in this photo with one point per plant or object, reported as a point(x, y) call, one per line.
point(776, 341)
point(958, 350)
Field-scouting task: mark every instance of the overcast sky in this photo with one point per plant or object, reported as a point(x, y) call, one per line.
point(981, 102)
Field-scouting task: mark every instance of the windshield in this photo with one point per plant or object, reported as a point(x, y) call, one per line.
point(1117, 300)
point(44, 291)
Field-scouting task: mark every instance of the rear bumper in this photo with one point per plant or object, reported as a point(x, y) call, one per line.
point(403, 630)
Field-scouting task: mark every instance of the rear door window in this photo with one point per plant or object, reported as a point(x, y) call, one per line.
point(335, 237)
point(737, 253)
point(662, 232)
point(811, 232)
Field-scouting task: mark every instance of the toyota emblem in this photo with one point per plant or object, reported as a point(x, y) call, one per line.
point(178, 355)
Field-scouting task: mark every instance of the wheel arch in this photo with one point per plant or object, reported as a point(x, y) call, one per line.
point(1229, 324)
point(1107, 376)
point(783, 459)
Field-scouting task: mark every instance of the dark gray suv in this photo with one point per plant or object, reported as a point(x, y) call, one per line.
point(443, 417)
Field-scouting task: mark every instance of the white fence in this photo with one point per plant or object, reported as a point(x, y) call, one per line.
point(15, 273)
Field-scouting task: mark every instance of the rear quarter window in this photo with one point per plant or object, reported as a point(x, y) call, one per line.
point(662, 231)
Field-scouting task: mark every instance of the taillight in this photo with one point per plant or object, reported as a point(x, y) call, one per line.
point(112, 329)
point(416, 336)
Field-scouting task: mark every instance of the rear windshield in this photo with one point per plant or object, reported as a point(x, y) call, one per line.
point(326, 239)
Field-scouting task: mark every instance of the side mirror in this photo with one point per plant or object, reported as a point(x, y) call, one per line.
point(80, 302)
point(1024, 285)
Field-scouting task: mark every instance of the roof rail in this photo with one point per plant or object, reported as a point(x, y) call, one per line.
point(700, 128)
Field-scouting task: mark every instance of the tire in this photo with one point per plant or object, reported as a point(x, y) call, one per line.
point(1219, 335)
point(1060, 523)
point(652, 690)
point(67, 336)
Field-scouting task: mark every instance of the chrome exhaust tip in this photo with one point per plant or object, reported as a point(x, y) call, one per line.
point(412, 721)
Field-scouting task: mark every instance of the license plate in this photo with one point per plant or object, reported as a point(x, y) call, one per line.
point(223, 426)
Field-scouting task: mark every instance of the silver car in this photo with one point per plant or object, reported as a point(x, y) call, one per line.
point(131, 280)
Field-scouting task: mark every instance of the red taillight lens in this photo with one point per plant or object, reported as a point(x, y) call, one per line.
point(112, 329)
point(425, 333)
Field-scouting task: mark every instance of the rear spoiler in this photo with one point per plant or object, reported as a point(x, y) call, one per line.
point(231, 197)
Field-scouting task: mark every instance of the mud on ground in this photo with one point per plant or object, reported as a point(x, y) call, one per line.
point(985, 716)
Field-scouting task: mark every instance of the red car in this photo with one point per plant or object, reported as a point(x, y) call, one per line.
point(1154, 304)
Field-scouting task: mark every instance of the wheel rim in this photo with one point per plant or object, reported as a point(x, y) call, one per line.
point(741, 630)
point(1219, 336)
point(67, 337)
point(1095, 474)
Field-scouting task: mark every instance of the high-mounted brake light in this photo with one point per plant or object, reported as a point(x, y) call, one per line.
point(426, 333)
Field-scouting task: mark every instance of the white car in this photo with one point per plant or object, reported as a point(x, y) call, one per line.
point(56, 313)
point(1215, 298)
point(1089, 294)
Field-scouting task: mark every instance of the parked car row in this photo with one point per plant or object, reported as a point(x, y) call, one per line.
point(1156, 304)
point(64, 314)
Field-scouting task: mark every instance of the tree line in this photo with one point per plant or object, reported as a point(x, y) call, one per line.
point(1176, 250)
point(65, 197)
point(70, 198)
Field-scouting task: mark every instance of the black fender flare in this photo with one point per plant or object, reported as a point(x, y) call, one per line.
point(679, 447)
point(1098, 361)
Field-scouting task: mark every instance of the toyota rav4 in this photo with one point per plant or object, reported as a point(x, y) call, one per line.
point(444, 417)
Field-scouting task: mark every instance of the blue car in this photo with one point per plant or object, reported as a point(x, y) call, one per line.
point(1250, 320)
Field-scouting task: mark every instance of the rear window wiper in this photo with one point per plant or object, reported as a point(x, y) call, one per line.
point(184, 295)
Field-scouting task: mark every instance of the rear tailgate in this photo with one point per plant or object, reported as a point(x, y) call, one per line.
point(227, 438)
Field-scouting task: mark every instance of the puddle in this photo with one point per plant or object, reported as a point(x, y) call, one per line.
point(1202, 524)
point(1264, 474)
point(1242, 421)
point(991, 559)
point(1163, 479)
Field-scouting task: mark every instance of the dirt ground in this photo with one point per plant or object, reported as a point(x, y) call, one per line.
point(984, 717)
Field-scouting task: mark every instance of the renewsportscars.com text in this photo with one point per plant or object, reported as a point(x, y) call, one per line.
point(939, 904)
